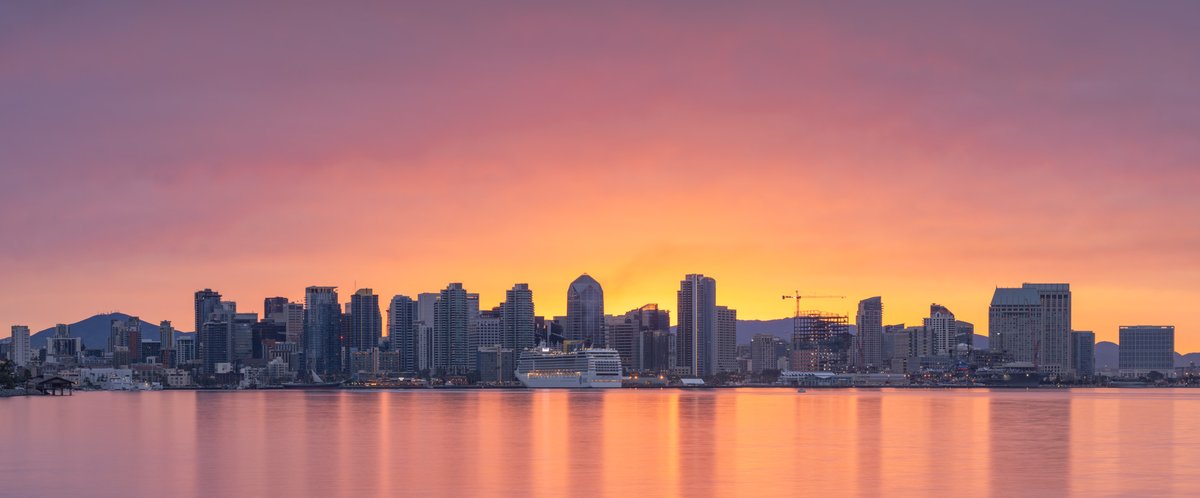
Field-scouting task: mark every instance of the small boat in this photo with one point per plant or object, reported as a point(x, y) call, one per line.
point(801, 390)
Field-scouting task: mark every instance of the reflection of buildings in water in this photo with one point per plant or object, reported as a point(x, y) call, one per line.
point(1030, 438)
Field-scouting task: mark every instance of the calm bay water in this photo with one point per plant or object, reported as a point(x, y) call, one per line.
point(760, 442)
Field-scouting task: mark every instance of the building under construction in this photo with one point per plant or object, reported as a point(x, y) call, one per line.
point(821, 342)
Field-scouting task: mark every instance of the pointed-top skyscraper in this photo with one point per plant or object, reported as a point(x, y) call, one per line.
point(585, 311)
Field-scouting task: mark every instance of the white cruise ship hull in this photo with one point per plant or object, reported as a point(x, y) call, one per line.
point(543, 381)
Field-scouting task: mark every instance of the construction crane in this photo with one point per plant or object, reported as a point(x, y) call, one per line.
point(797, 296)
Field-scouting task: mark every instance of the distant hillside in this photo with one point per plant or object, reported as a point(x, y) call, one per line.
point(94, 331)
point(1106, 355)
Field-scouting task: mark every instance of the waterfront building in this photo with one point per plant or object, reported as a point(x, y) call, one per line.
point(454, 314)
point(585, 311)
point(869, 339)
point(762, 353)
point(366, 327)
point(517, 314)
point(1033, 324)
point(1145, 349)
point(1083, 353)
point(697, 348)
point(821, 342)
point(21, 352)
point(1054, 356)
point(496, 364)
point(944, 329)
point(322, 327)
point(402, 331)
point(1015, 323)
point(726, 339)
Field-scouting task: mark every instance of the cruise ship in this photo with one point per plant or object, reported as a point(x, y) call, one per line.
point(543, 368)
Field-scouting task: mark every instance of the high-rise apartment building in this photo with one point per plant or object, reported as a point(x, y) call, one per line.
point(21, 351)
point(366, 322)
point(944, 329)
point(726, 342)
point(402, 331)
point(518, 318)
point(453, 322)
point(585, 311)
point(868, 354)
point(697, 344)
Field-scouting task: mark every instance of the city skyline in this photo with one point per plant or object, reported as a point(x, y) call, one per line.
point(924, 154)
point(845, 307)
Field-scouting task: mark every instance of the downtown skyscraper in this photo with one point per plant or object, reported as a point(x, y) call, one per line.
point(366, 322)
point(517, 318)
point(402, 331)
point(1032, 323)
point(869, 340)
point(696, 340)
point(322, 326)
point(454, 315)
point(585, 311)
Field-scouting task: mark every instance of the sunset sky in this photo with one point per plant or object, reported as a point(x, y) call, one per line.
point(923, 152)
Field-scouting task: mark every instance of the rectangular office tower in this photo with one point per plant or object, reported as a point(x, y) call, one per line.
point(322, 326)
point(1083, 353)
point(1145, 349)
point(1032, 324)
point(366, 322)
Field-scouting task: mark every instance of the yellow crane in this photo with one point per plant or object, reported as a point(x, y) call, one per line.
point(797, 296)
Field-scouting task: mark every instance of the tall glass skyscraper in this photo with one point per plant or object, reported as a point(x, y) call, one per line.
point(322, 324)
point(696, 342)
point(585, 311)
